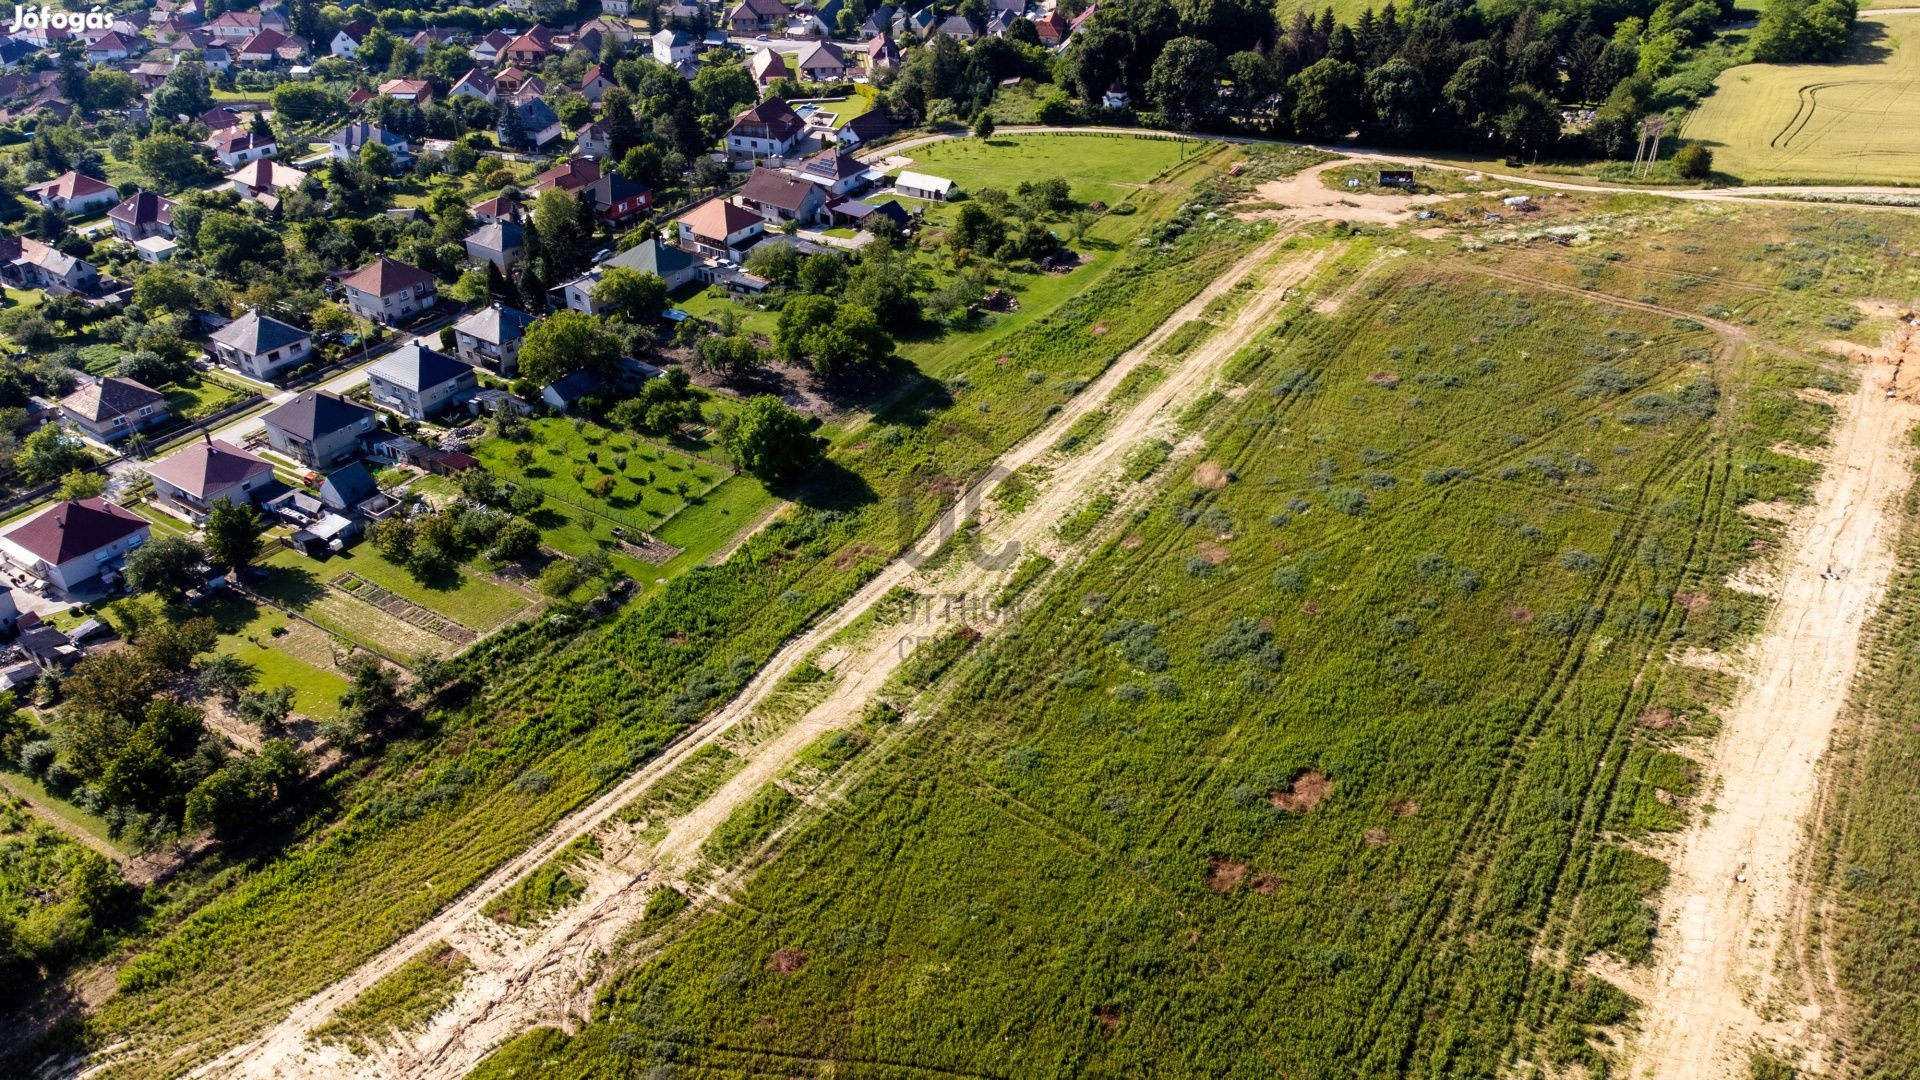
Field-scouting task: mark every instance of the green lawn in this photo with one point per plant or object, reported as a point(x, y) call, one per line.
point(460, 595)
point(1107, 168)
point(285, 651)
point(708, 301)
point(199, 396)
point(643, 482)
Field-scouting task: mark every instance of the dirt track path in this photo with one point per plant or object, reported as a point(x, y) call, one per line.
point(1712, 995)
point(547, 976)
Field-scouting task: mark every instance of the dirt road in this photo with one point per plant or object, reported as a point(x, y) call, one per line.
point(547, 975)
point(1715, 991)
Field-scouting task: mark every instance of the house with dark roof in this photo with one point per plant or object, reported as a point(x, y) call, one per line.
point(490, 338)
point(769, 128)
point(346, 40)
point(565, 392)
point(73, 193)
point(142, 214)
point(539, 125)
point(882, 53)
point(595, 84)
point(388, 290)
point(476, 83)
point(531, 47)
point(835, 169)
point(347, 487)
point(319, 428)
point(958, 27)
point(29, 264)
point(866, 129)
point(498, 208)
point(200, 474)
point(779, 198)
point(420, 383)
point(261, 346)
point(822, 62)
point(114, 408)
point(237, 146)
point(768, 65)
point(71, 543)
point(752, 16)
point(345, 144)
point(617, 200)
point(487, 50)
point(502, 243)
point(594, 141)
point(672, 265)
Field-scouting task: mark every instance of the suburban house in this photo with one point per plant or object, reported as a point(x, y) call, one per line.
point(879, 21)
point(867, 128)
point(237, 146)
point(719, 228)
point(318, 428)
point(419, 382)
point(112, 46)
point(531, 47)
point(768, 65)
point(345, 144)
point(412, 91)
point(73, 193)
point(882, 53)
point(753, 16)
point(822, 62)
point(200, 474)
point(617, 200)
point(235, 26)
point(260, 345)
point(490, 338)
point(142, 214)
point(271, 47)
point(501, 243)
point(771, 127)
point(387, 290)
point(539, 124)
point(595, 84)
point(29, 264)
point(834, 169)
point(672, 46)
point(779, 198)
point(618, 29)
point(921, 186)
point(498, 208)
point(1052, 29)
point(673, 266)
point(71, 543)
point(958, 27)
point(571, 176)
point(486, 52)
point(476, 83)
point(594, 142)
point(263, 180)
point(348, 487)
point(347, 39)
point(113, 407)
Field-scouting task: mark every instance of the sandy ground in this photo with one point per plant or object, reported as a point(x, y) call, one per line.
point(548, 974)
point(1308, 198)
point(1718, 988)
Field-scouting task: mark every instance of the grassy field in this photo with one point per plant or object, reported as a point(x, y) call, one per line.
point(1856, 122)
point(306, 586)
point(1106, 168)
point(581, 704)
point(1336, 758)
point(286, 652)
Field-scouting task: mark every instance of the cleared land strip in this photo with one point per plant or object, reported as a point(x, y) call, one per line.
point(544, 969)
point(1716, 969)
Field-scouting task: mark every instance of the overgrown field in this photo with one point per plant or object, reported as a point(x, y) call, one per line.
point(556, 711)
point(1328, 762)
point(1856, 122)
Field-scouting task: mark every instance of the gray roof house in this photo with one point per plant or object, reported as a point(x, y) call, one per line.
point(114, 408)
point(419, 382)
point(501, 243)
point(490, 337)
point(346, 142)
point(674, 266)
point(318, 428)
point(348, 487)
point(261, 345)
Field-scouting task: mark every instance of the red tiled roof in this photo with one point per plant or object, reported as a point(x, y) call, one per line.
point(71, 529)
point(384, 277)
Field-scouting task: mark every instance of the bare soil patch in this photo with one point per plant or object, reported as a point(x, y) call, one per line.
point(1519, 616)
point(1657, 718)
point(1108, 1018)
point(1403, 808)
point(1384, 378)
point(1099, 329)
point(1266, 884)
point(1305, 793)
point(852, 555)
point(1225, 875)
point(786, 961)
point(1210, 475)
point(1213, 553)
point(1377, 837)
point(1693, 602)
point(1131, 541)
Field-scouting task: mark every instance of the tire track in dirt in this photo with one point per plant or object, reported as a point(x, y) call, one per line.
point(548, 976)
point(1716, 970)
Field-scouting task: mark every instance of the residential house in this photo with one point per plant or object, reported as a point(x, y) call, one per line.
point(958, 27)
point(916, 185)
point(486, 52)
point(1012, 9)
point(420, 383)
point(113, 46)
point(14, 52)
point(214, 53)
point(834, 169)
point(346, 143)
point(879, 21)
point(539, 125)
point(531, 47)
point(490, 338)
point(502, 243)
point(476, 83)
point(1080, 20)
point(319, 428)
point(142, 214)
point(595, 84)
point(413, 91)
point(617, 200)
point(572, 176)
point(719, 228)
point(672, 46)
point(1052, 29)
point(114, 408)
point(779, 198)
point(753, 16)
point(237, 146)
point(622, 8)
point(348, 487)
point(866, 129)
point(1116, 96)
point(530, 88)
point(882, 53)
point(200, 474)
point(26, 263)
point(72, 542)
point(672, 265)
point(768, 65)
point(509, 82)
point(426, 39)
point(270, 47)
point(564, 393)
point(235, 26)
point(617, 29)
point(594, 142)
point(347, 39)
point(261, 346)
point(770, 128)
point(221, 118)
point(822, 62)
point(262, 180)
point(498, 208)
point(919, 24)
point(155, 249)
point(387, 290)
point(73, 193)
